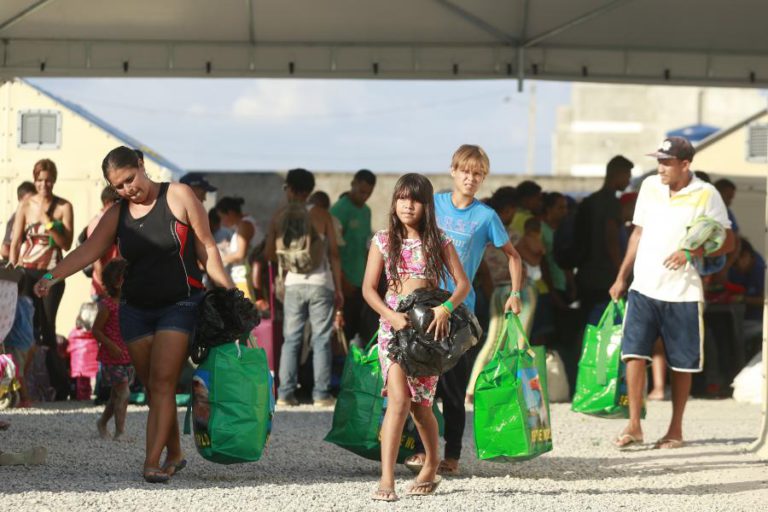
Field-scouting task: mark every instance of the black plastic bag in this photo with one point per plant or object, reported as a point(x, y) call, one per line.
point(416, 350)
point(223, 317)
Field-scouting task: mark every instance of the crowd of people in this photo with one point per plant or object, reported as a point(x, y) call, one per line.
point(552, 260)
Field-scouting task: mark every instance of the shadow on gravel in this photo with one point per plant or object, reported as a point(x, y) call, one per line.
point(297, 455)
point(584, 468)
point(688, 490)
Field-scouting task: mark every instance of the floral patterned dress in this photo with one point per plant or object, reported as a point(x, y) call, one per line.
point(413, 266)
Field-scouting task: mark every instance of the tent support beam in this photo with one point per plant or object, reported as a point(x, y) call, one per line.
point(251, 23)
point(575, 22)
point(520, 49)
point(478, 22)
point(23, 14)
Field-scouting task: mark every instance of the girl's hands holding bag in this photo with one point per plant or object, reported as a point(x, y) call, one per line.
point(398, 321)
point(439, 324)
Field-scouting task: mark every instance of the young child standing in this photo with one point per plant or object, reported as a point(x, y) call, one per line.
point(473, 228)
point(116, 368)
point(414, 254)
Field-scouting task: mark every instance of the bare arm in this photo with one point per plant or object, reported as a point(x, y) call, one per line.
point(335, 260)
point(619, 287)
point(516, 276)
point(728, 245)
point(207, 252)
point(244, 235)
point(679, 258)
point(17, 232)
point(373, 270)
point(63, 238)
point(270, 248)
point(96, 244)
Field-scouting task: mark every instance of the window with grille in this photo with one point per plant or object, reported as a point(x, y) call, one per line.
point(40, 129)
point(757, 143)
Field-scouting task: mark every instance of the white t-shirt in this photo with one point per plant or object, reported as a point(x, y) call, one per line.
point(665, 220)
point(238, 271)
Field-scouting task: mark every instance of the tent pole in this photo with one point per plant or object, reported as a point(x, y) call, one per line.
point(760, 447)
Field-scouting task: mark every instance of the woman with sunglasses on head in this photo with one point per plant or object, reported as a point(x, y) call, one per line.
point(162, 231)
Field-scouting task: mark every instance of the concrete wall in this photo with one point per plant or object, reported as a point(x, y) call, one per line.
point(78, 161)
point(604, 120)
point(263, 192)
point(727, 155)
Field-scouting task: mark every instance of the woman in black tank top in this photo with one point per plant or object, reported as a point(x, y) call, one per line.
point(162, 231)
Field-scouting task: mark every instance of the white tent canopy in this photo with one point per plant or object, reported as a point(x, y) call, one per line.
point(706, 42)
point(639, 41)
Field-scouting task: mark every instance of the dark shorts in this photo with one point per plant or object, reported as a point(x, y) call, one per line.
point(114, 374)
point(137, 323)
point(679, 324)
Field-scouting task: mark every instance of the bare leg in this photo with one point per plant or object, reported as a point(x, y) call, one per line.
point(635, 391)
point(681, 388)
point(398, 405)
point(140, 352)
point(426, 424)
point(169, 350)
point(120, 396)
point(659, 371)
point(109, 410)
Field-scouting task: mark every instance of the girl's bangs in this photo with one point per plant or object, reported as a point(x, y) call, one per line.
point(415, 188)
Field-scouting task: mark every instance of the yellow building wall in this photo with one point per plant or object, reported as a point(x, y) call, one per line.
point(78, 161)
point(728, 156)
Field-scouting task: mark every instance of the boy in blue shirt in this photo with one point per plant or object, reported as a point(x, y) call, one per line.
point(471, 225)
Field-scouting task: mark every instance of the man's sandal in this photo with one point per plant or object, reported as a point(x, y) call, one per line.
point(384, 495)
point(156, 476)
point(423, 488)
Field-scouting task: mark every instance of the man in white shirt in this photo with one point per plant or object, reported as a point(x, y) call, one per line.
point(666, 298)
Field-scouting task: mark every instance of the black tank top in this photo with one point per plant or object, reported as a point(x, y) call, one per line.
point(160, 250)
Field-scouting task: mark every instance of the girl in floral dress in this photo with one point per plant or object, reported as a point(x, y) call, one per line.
point(414, 254)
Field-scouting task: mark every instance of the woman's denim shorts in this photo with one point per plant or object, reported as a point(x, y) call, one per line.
point(137, 323)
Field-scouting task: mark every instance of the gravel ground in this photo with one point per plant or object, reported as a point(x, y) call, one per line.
point(300, 471)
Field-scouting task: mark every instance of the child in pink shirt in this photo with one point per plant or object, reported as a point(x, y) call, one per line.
point(116, 368)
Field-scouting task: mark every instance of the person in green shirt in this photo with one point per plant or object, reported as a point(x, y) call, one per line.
point(355, 219)
point(529, 194)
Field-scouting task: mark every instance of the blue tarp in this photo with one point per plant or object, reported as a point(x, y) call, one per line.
point(694, 132)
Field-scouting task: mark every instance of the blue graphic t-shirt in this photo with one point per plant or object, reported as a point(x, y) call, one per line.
point(471, 229)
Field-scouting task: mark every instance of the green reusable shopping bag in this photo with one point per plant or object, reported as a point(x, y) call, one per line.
point(512, 421)
point(601, 388)
point(360, 408)
point(232, 404)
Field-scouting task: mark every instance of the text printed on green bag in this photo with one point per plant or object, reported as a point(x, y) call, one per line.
point(541, 434)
